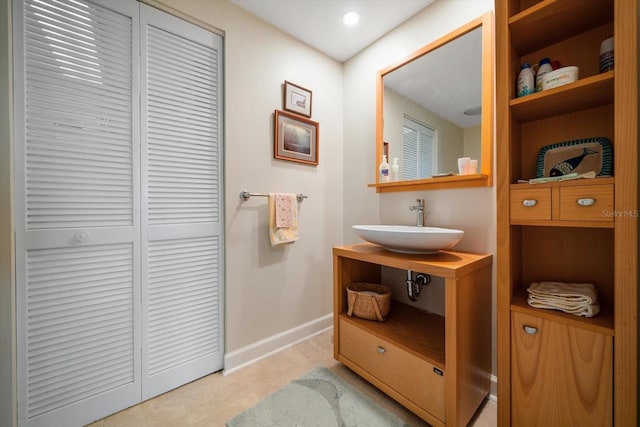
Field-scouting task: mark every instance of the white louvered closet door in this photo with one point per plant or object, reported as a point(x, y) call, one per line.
point(182, 271)
point(118, 177)
point(77, 209)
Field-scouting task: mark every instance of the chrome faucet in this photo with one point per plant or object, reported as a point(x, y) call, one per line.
point(420, 208)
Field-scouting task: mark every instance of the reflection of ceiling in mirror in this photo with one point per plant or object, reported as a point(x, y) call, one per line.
point(446, 80)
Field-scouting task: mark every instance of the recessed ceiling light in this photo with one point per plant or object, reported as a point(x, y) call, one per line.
point(350, 18)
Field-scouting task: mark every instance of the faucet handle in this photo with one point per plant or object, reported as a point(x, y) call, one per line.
point(420, 205)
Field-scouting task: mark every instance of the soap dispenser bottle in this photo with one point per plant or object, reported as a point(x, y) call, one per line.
point(384, 169)
point(395, 169)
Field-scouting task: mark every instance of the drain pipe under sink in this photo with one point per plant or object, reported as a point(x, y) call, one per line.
point(415, 286)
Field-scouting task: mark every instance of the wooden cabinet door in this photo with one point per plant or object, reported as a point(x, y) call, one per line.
point(561, 375)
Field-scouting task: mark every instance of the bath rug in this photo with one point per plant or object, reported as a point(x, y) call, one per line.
point(317, 399)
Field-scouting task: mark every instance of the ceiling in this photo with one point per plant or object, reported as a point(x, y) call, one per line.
point(318, 23)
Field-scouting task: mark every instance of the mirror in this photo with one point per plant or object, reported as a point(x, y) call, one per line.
point(436, 106)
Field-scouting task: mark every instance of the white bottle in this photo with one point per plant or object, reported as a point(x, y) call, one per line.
point(384, 169)
point(395, 169)
point(543, 68)
point(526, 83)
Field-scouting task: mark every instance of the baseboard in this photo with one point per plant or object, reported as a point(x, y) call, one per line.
point(493, 389)
point(252, 353)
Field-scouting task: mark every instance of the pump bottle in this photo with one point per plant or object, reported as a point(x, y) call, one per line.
point(384, 169)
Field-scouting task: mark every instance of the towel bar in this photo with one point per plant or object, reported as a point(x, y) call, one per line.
point(245, 195)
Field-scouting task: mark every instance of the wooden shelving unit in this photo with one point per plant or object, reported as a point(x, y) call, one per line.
point(551, 237)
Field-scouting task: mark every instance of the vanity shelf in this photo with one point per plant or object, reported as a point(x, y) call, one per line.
point(437, 367)
point(452, 181)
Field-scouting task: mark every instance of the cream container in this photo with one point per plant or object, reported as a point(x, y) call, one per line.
point(559, 77)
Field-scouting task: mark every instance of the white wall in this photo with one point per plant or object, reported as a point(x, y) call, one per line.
point(472, 138)
point(272, 290)
point(472, 210)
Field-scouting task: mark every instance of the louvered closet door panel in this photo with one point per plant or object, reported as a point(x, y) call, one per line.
point(79, 334)
point(77, 209)
point(182, 202)
point(182, 324)
point(78, 116)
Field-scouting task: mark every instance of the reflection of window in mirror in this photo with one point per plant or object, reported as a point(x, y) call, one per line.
point(419, 144)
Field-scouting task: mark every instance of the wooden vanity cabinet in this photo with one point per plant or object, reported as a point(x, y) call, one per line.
point(436, 366)
point(574, 370)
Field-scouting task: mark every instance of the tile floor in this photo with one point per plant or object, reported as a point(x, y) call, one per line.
point(212, 400)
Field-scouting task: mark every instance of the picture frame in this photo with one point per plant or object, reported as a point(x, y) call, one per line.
point(295, 138)
point(297, 99)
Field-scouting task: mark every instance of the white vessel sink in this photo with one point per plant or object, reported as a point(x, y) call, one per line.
point(410, 239)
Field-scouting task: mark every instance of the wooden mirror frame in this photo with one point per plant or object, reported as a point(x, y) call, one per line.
point(481, 179)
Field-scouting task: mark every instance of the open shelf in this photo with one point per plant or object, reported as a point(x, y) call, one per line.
point(585, 93)
point(416, 331)
point(451, 181)
point(571, 183)
point(553, 20)
point(601, 323)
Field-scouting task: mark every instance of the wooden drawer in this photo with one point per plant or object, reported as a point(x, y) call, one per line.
point(560, 375)
point(587, 203)
point(531, 204)
point(413, 377)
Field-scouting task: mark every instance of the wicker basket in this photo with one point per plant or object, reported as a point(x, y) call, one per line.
point(368, 301)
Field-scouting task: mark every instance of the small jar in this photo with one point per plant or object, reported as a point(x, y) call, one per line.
point(606, 55)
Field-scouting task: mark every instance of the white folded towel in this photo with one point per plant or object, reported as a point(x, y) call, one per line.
point(570, 292)
point(586, 310)
point(580, 299)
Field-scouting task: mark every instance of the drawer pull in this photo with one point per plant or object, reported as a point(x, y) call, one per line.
point(381, 349)
point(590, 201)
point(529, 203)
point(531, 330)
